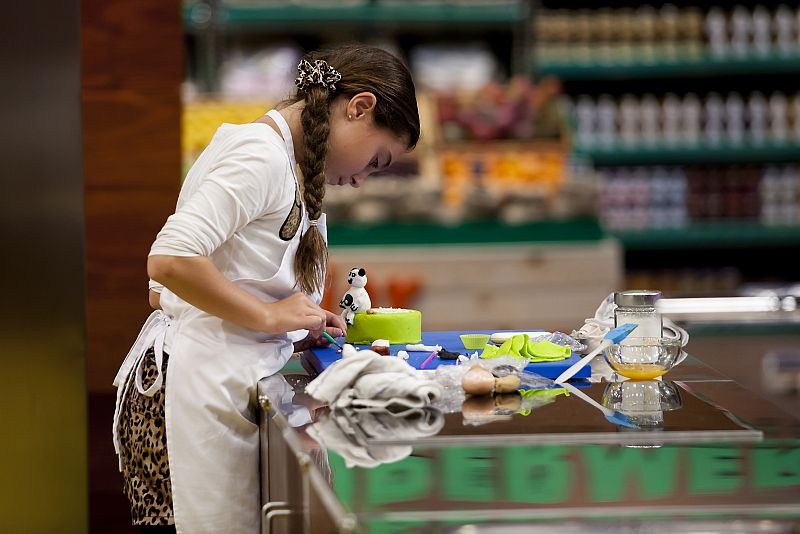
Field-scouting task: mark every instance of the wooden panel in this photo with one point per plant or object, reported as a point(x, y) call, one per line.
point(132, 138)
point(131, 44)
point(122, 233)
point(132, 70)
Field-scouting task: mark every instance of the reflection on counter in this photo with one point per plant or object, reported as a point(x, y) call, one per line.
point(703, 446)
point(645, 401)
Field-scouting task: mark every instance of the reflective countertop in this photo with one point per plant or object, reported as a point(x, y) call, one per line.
point(708, 456)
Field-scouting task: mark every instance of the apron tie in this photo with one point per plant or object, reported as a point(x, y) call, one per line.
point(151, 336)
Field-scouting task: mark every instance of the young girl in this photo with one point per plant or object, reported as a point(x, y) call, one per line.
point(240, 267)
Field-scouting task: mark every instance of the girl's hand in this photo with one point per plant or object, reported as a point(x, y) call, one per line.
point(336, 322)
point(335, 327)
point(294, 313)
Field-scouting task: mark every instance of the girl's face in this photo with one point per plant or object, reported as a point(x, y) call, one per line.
point(357, 148)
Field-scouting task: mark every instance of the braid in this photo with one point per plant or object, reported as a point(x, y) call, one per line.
point(312, 252)
point(323, 76)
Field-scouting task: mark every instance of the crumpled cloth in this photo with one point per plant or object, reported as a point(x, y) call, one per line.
point(365, 379)
point(373, 399)
point(359, 435)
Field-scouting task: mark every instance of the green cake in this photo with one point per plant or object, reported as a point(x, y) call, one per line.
point(393, 324)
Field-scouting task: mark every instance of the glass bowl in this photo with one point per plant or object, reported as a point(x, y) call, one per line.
point(644, 358)
point(635, 396)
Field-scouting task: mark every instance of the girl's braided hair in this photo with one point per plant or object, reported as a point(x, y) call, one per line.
point(327, 74)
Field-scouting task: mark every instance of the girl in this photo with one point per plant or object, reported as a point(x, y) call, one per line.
point(240, 267)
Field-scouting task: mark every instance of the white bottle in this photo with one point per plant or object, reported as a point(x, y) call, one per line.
point(741, 31)
point(691, 116)
point(762, 31)
point(795, 112)
point(783, 26)
point(757, 117)
point(671, 119)
point(714, 125)
point(734, 118)
point(717, 31)
point(607, 121)
point(650, 126)
point(778, 117)
point(629, 116)
point(586, 116)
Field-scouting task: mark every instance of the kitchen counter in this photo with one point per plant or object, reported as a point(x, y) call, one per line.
point(709, 456)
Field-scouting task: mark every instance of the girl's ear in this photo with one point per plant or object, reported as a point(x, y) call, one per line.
point(361, 104)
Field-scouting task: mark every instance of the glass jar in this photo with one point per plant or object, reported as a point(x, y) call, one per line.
point(638, 306)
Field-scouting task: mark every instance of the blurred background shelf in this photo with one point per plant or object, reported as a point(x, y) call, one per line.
point(473, 233)
point(683, 67)
point(717, 235)
point(197, 16)
point(665, 68)
point(746, 152)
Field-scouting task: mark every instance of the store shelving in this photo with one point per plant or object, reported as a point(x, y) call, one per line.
point(705, 66)
point(476, 232)
point(701, 90)
point(232, 16)
point(718, 235)
point(750, 152)
point(212, 23)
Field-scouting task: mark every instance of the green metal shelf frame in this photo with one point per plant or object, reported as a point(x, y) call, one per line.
point(715, 235)
point(266, 16)
point(706, 66)
point(748, 152)
point(209, 20)
point(574, 230)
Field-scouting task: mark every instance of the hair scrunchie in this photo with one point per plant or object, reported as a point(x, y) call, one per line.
point(317, 72)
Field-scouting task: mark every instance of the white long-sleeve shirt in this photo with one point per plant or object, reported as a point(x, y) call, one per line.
point(236, 199)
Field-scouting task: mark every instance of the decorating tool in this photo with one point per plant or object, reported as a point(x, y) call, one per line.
point(612, 336)
point(612, 416)
point(328, 336)
point(428, 360)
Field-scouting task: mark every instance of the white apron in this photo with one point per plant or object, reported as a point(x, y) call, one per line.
point(210, 403)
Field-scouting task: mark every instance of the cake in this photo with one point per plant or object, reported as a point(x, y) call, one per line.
point(393, 324)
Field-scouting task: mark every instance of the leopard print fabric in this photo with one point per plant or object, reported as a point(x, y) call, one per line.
point(143, 449)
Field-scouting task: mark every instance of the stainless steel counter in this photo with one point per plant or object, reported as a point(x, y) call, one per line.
point(710, 457)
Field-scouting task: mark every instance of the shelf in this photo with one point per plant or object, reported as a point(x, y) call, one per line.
point(492, 232)
point(717, 235)
point(272, 16)
point(749, 152)
point(738, 329)
point(686, 68)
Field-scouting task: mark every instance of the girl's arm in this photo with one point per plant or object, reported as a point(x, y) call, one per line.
point(155, 299)
point(197, 281)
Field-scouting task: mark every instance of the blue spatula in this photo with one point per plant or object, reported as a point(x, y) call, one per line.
point(612, 336)
point(612, 416)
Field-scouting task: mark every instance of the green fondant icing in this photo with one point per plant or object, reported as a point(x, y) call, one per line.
point(397, 328)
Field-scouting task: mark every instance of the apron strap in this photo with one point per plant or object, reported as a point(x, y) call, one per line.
point(283, 126)
point(152, 335)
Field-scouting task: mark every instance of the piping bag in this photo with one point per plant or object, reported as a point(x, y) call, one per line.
point(612, 336)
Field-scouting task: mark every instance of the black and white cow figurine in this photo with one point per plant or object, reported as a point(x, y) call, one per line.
point(356, 299)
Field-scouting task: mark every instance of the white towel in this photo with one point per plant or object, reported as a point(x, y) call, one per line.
point(359, 435)
point(368, 380)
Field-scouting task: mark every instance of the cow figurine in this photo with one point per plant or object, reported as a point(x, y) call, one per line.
point(356, 299)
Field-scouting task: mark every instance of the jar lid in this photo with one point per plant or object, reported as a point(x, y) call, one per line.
point(637, 297)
